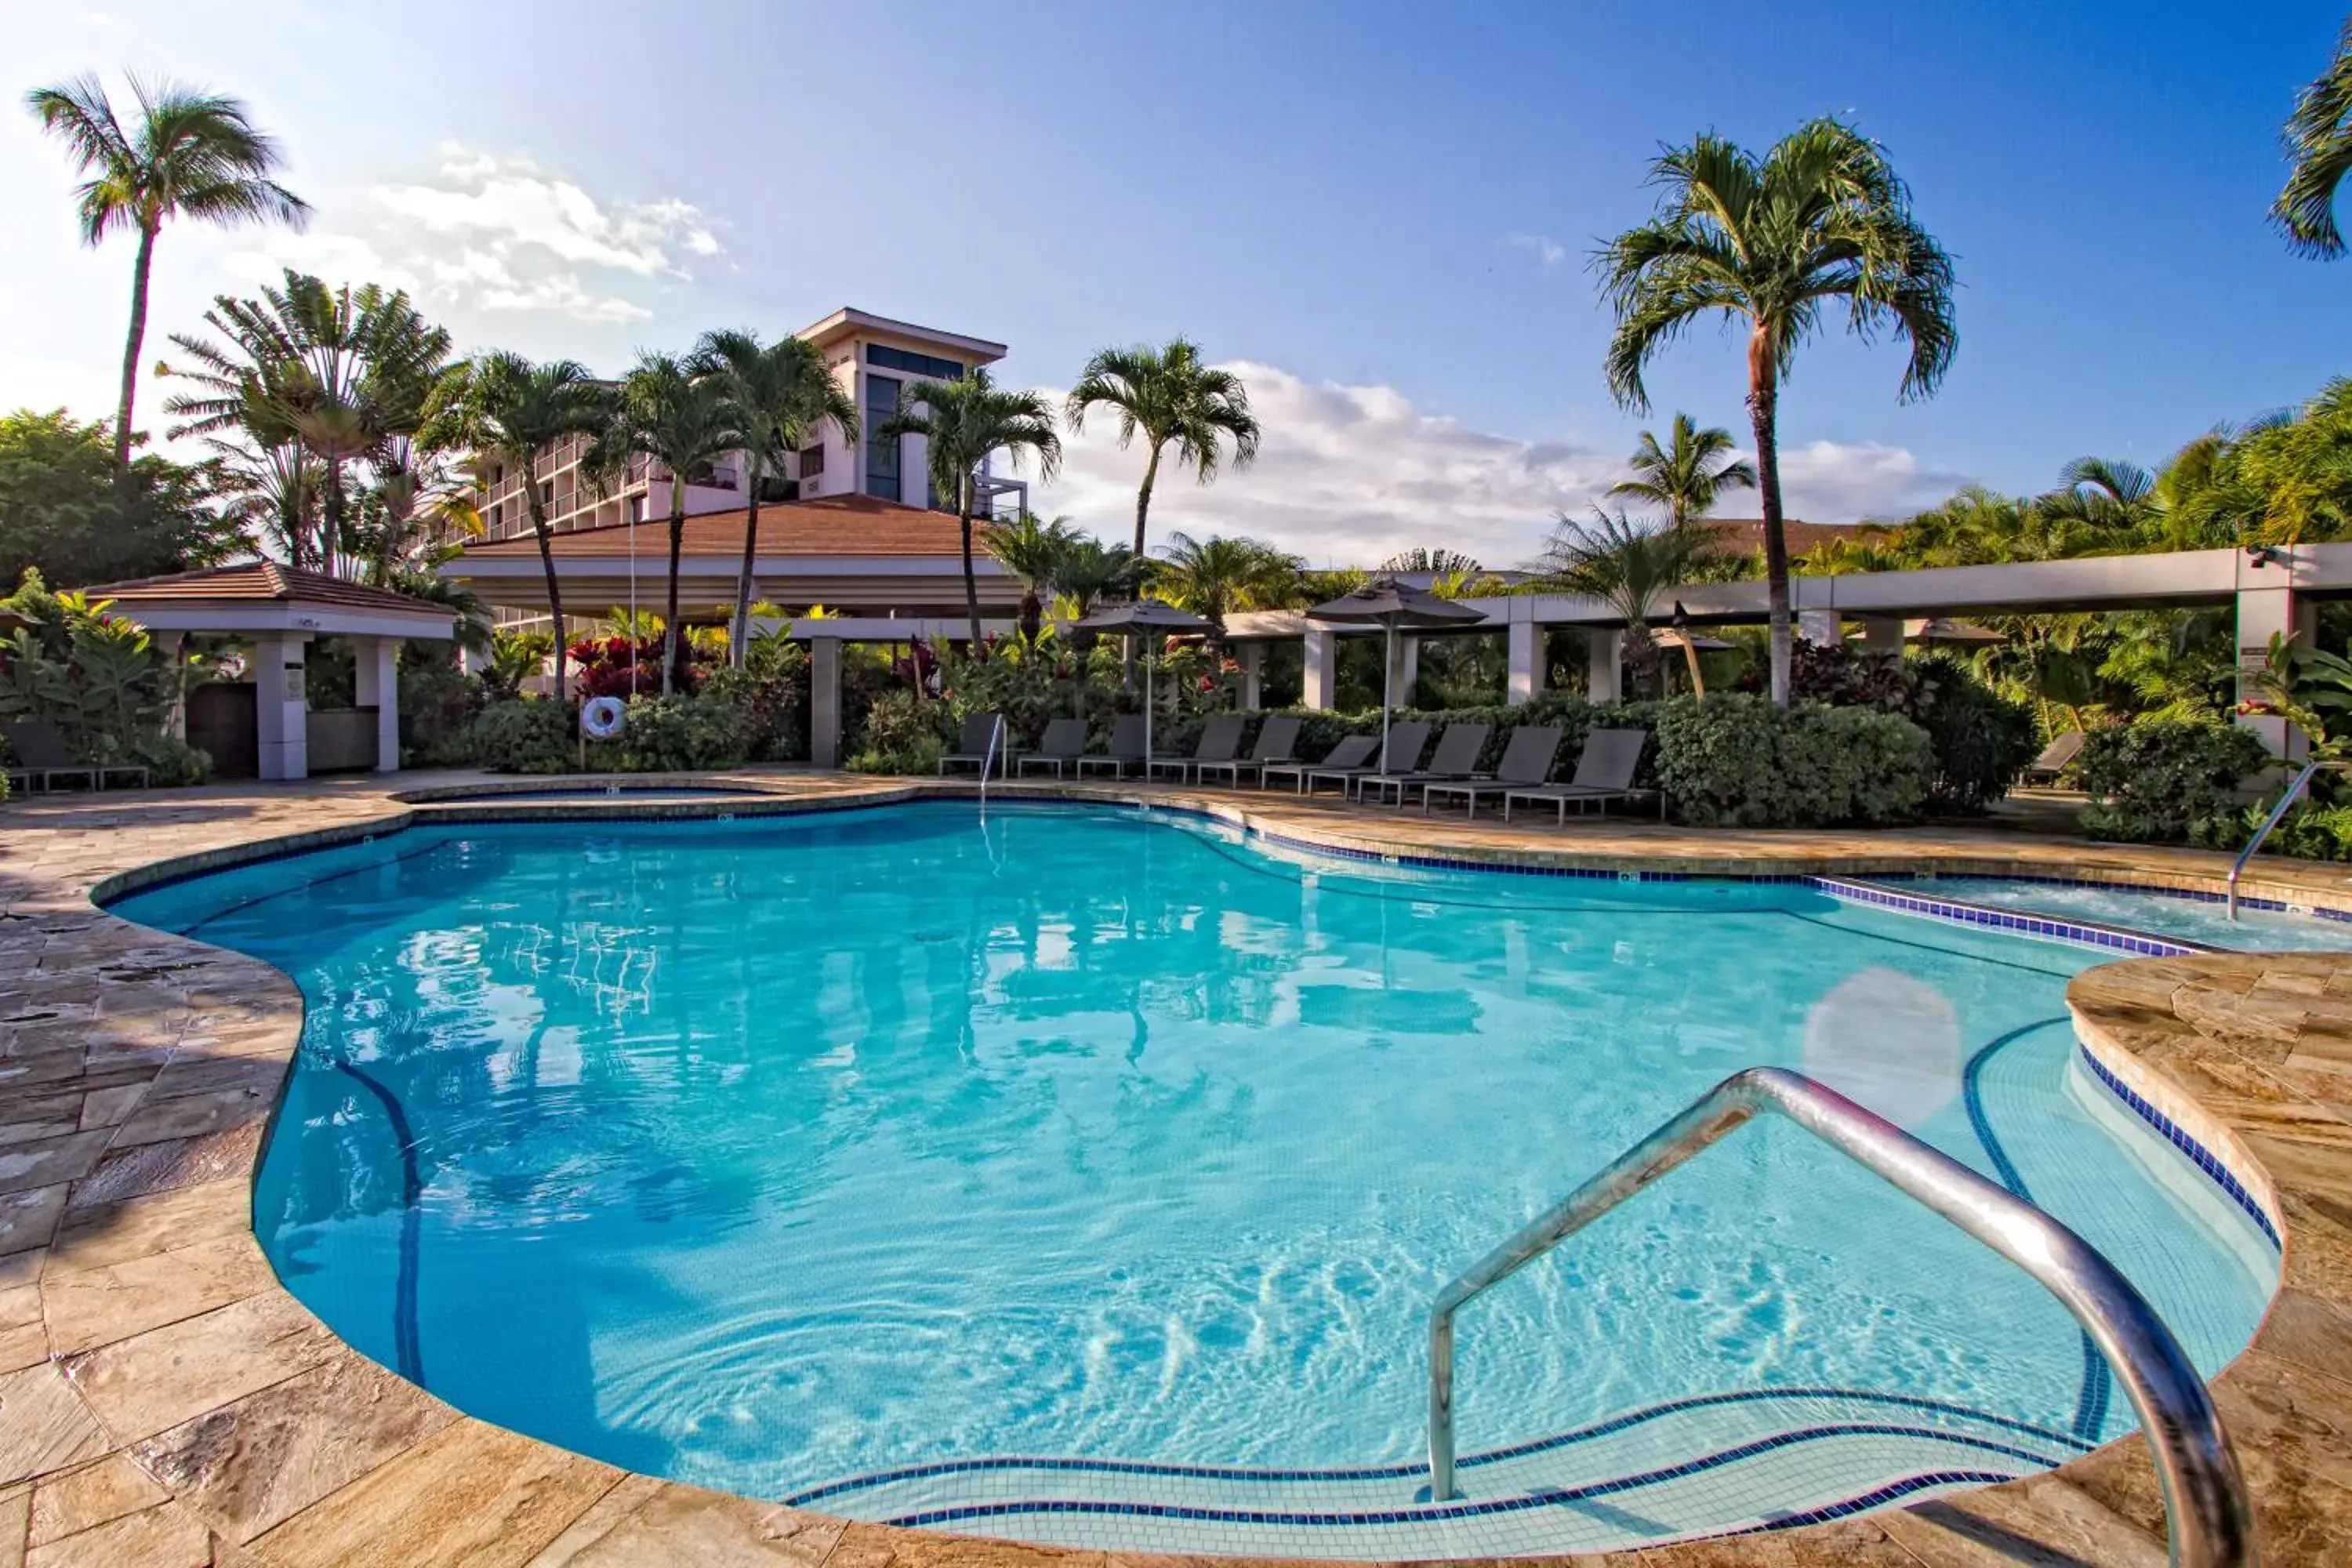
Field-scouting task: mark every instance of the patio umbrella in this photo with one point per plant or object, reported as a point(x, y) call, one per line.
point(1388, 604)
point(1148, 616)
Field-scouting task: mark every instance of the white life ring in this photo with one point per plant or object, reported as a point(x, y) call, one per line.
point(602, 718)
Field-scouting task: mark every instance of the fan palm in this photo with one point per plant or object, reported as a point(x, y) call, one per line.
point(191, 153)
point(1175, 403)
point(685, 422)
point(1087, 572)
point(504, 408)
point(1770, 241)
point(344, 373)
point(1689, 475)
point(2318, 137)
point(412, 517)
point(1627, 567)
point(1033, 551)
point(963, 421)
point(273, 490)
point(783, 391)
point(1441, 563)
point(1214, 576)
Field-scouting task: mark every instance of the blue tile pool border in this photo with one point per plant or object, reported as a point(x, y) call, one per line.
point(2215, 1168)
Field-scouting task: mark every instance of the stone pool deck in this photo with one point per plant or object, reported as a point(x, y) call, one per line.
point(164, 1401)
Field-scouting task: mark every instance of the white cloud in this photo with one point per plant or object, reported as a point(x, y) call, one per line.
point(500, 234)
point(1546, 250)
point(1349, 475)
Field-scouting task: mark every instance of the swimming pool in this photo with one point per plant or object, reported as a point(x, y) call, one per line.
point(1087, 1177)
point(2198, 918)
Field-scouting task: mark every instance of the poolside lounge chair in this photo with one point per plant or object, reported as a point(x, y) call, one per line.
point(979, 745)
point(1125, 751)
point(1063, 742)
point(2057, 757)
point(1220, 742)
point(1526, 761)
point(1406, 744)
point(1456, 757)
point(1353, 752)
point(1604, 773)
point(1277, 740)
point(41, 756)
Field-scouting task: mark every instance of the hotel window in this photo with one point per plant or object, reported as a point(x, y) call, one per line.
point(811, 460)
point(929, 366)
point(881, 451)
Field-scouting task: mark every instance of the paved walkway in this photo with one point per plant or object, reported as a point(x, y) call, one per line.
point(163, 1401)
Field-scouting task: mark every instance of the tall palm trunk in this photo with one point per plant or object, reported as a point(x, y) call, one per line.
point(1763, 409)
point(673, 639)
point(139, 269)
point(740, 632)
point(971, 582)
point(546, 537)
point(330, 526)
point(1143, 499)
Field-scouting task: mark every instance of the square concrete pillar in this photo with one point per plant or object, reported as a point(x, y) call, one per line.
point(281, 707)
point(376, 661)
point(1251, 656)
point(1524, 642)
point(1605, 665)
point(1322, 676)
point(824, 703)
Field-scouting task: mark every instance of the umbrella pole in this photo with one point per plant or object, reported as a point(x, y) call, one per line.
point(1148, 706)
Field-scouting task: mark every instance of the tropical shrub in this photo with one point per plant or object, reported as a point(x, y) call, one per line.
point(522, 735)
point(625, 666)
point(902, 734)
point(438, 703)
point(772, 707)
point(96, 677)
point(680, 734)
point(1735, 761)
point(2152, 782)
point(1982, 740)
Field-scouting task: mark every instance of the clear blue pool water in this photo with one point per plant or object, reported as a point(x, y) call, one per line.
point(768, 1154)
point(2162, 914)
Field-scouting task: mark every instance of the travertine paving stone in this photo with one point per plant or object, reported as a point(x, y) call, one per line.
point(163, 1401)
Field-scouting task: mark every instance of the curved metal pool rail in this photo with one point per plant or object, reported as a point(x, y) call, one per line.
point(2278, 814)
point(2204, 1500)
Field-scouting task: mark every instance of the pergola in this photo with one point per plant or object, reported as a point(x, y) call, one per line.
point(279, 610)
point(2273, 589)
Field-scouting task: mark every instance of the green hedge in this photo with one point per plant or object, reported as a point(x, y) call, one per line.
point(678, 734)
point(521, 735)
point(2158, 780)
point(1736, 760)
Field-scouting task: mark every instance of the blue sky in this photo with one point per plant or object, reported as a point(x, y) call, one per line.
point(1383, 210)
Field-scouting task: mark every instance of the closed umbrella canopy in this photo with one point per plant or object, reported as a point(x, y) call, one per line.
point(1388, 604)
point(1144, 615)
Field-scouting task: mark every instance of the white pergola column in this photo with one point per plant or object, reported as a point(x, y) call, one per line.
point(1321, 681)
point(1525, 643)
point(824, 703)
point(173, 645)
point(1604, 667)
point(281, 707)
point(1882, 633)
point(376, 661)
point(2264, 610)
point(1819, 627)
point(1251, 656)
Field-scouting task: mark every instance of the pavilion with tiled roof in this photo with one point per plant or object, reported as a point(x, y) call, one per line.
point(279, 610)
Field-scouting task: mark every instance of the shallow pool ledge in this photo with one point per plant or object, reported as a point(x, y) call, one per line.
point(162, 1400)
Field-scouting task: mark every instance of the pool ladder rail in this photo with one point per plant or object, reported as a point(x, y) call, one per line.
point(2210, 1524)
point(2277, 816)
point(988, 759)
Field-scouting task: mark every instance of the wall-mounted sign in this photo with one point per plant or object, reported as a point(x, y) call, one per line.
point(294, 692)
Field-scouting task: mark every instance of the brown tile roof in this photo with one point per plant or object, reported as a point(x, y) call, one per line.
point(252, 581)
point(1746, 534)
point(830, 525)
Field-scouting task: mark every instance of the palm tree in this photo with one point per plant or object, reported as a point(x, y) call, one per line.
point(272, 490)
point(1690, 475)
point(1088, 572)
point(2319, 137)
point(1173, 401)
point(412, 517)
point(964, 420)
point(1214, 576)
point(1438, 563)
point(1033, 551)
point(1770, 241)
point(1627, 567)
point(502, 408)
point(684, 422)
point(342, 373)
point(784, 390)
point(192, 153)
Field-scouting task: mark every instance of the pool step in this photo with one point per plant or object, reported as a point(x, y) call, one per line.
point(1696, 1467)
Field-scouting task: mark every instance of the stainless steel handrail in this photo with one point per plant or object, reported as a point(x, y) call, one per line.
point(2205, 1502)
point(988, 758)
point(2277, 813)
